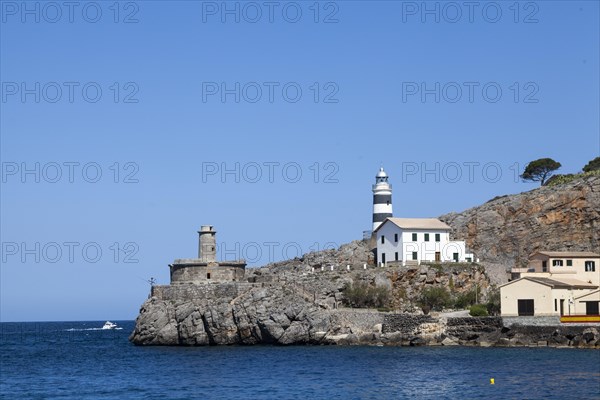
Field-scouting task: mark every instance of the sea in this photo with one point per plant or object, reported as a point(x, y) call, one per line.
point(79, 360)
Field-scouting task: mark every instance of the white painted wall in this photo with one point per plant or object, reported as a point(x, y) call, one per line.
point(405, 246)
point(389, 246)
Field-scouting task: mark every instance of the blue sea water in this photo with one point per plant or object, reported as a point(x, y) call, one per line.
point(77, 360)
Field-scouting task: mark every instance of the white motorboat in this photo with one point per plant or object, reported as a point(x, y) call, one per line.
point(109, 325)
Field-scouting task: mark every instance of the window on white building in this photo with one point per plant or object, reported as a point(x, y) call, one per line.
point(569, 263)
point(590, 266)
point(414, 237)
point(437, 237)
point(414, 255)
point(396, 256)
point(396, 237)
point(427, 237)
point(557, 263)
point(382, 239)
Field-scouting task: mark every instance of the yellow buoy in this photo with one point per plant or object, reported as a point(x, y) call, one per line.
point(492, 381)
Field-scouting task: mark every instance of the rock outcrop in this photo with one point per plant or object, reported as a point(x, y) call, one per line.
point(245, 314)
point(356, 254)
point(222, 314)
point(325, 285)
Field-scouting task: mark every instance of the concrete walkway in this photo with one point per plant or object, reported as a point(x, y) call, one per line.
point(455, 314)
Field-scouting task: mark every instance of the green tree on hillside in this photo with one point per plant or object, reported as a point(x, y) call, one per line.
point(540, 170)
point(362, 295)
point(436, 298)
point(593, 165)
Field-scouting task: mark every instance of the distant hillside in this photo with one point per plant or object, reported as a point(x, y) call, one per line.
point(507, 229)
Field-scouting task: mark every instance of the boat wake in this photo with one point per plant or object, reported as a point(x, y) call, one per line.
point(90, 329)
point(107, 326)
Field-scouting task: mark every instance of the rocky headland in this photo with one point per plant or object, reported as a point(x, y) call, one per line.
point(281, 314)
point(302, 301)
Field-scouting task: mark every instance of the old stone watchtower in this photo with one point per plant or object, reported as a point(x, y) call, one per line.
point(206, 268)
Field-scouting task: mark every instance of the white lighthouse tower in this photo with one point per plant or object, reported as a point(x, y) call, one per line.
point(382, 198)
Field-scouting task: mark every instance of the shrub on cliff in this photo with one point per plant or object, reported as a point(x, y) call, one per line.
point(561, 179)
point(493, 304)
point(478, 310)
point(435, 298)
point(464, 300)
point(362, 295)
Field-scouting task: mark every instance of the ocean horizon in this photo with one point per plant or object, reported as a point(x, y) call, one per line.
point(78, 359)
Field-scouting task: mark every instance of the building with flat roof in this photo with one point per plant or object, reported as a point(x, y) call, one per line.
point(554, 283)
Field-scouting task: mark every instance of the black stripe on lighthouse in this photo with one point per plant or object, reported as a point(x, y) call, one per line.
point(380, 217)
point(382, 199)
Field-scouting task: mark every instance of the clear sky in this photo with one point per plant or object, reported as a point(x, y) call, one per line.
point(125, 126)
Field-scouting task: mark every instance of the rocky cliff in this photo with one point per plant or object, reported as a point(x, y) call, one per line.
point(226, 314)
point(506, 230)
point(326, 281)
point(273, 301)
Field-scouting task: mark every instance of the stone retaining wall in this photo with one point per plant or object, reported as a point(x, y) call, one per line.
point(474, 323)
point(189, 291)
point(404, 323)
point(360, 321)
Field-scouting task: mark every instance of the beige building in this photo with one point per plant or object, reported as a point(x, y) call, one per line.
point(583, 265)
point(554, 283)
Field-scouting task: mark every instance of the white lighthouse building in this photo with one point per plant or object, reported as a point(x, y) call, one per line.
point(382, 199)
point(410, 240)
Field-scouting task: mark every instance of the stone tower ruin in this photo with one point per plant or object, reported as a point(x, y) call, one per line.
point(207, 244)
point(206, 269)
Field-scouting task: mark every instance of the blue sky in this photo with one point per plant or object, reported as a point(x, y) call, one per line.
point(453, 108)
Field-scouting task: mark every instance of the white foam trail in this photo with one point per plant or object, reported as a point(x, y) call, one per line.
point(91, 329)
